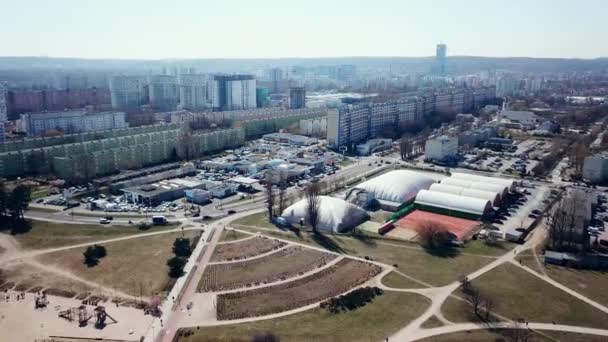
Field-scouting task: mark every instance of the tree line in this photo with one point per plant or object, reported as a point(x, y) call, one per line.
point(13, 204)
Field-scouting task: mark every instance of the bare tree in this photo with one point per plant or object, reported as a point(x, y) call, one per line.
point(282, 194)
point(269, 198)
point(313, 204)
point(433, 234)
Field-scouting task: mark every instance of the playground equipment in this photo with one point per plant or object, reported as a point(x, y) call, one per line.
point(83, 315)
point(41, 302)
point(102, 315)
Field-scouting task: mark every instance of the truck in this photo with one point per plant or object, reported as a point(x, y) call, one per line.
point(159, 220)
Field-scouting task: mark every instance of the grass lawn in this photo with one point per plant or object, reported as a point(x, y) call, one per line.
point(397, 281)
point(48, 234)
point(432, 322)
point(518, 294)
point(231, 235)
point(136, 266)
point(257, 220)
point(410, 258)
point(481, 248)
point(383, 317)
point(591, 284)
point(499, 335)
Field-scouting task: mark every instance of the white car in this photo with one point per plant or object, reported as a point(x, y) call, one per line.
point(104, 221)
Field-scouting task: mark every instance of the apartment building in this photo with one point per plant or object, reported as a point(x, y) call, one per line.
point(69, 122)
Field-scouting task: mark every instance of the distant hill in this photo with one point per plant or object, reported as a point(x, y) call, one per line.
point(458, 64)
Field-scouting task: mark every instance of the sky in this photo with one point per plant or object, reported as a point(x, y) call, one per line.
point(160, 29)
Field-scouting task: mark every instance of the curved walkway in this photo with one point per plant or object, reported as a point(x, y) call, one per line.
point(459, 327)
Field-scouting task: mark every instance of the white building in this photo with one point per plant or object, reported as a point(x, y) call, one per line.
point(518, 119)
point(193, 91)
point(127, 92)
point(314, 127)
point(595, 168)
point(233, 92)
point(163, 92)
point(440, 148)
point(69, 122)
point(335, 215)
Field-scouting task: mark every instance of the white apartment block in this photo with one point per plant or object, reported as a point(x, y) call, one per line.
point(441, 147)
point(233, 92)
point(163, 92)
point(193, 91)
point(127, 92)
point(69, 122)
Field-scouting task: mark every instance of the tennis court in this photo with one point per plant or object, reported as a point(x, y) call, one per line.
point(461, 228)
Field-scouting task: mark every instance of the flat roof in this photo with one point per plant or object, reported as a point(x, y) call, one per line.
point(244, 180)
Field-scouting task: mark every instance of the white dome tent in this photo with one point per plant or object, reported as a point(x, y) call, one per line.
point(335, 215)
point(491, 196)
point(508, 183)
point(398, 186)
point(451, 202)
point(502, 190)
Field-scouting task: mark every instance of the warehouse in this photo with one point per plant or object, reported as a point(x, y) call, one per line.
point(335, 215)
point(491, 196)
point(391, 189)
point(452, 205)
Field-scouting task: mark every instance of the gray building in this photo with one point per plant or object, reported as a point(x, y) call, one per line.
point(595, 168)
point(3, 102)
point(297, 97)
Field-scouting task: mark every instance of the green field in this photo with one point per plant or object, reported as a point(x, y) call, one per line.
point(397, 281)
point(520, 295)
point(135, 266)
point(48, 234)
point(383, 317)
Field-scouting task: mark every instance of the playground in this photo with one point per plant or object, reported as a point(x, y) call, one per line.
point(41, 316)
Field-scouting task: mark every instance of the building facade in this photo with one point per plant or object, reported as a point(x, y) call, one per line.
point(233, 92)
point(352, 124)
point(297, 97)
point(3, 102)
point(193, 89)
point(441, 148)
point(163, 92)
point(595, 168)
point(127, 92)
point(69, 122)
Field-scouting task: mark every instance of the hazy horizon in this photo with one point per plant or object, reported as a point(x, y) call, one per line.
point(273, 29)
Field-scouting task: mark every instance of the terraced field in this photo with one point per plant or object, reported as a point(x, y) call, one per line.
point(332, 281)
point(245, 249)
point(286, 263)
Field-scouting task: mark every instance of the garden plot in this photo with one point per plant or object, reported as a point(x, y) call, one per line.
point(283, 264)
point(245, 249)
point(329, 282)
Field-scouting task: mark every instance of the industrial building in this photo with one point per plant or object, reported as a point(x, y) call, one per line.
point(288, 138)
point(163, 191)
point(518, 119)
point(335, 215)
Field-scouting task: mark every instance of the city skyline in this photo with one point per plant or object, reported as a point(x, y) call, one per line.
point(271, 29)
